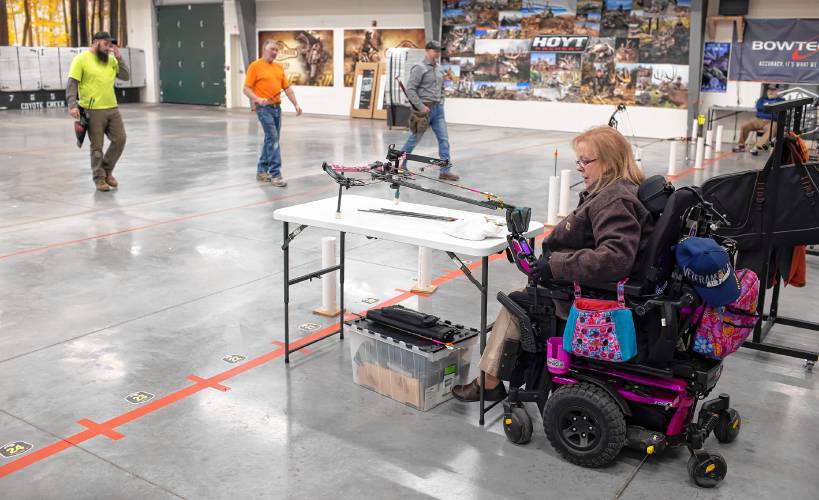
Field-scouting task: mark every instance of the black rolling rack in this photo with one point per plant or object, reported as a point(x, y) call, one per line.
point(790, 116)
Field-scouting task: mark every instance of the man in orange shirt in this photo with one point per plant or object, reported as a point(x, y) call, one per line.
point(264, 84)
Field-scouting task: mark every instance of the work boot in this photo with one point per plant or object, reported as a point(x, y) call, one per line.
point(739, 148)
point(102, 185)
point(471, 392)
point(754, 150)
point(111, 181)
point(278, 181)
point(263, 177)
point(446, 176)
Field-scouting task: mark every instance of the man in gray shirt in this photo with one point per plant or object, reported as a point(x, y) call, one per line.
point(425, 91)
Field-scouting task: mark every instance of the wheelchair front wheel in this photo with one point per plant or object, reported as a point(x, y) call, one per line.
point(707, 469)
point(728, 426)
point(584, 424)
point(517, 424)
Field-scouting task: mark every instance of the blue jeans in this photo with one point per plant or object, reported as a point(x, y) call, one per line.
point(437, 122)
point(270, 161)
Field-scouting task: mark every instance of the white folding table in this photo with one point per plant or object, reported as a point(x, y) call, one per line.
point(401, 229)
point(714, 111)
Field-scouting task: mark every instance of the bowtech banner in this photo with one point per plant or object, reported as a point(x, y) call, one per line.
point(777, 50)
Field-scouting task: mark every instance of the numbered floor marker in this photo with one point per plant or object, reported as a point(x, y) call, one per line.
point(370, 300)
point(233, 358)
point(140, 397)
point(309, 327)
point(14, 449)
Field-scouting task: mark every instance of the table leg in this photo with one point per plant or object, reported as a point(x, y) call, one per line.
point(286, 249)
point(484, 295)
point(341, 284)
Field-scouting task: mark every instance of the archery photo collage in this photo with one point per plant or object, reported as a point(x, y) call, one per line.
point(585, 51)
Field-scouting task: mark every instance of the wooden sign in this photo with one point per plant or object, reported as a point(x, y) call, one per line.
point(364, 90)
point(380, 108)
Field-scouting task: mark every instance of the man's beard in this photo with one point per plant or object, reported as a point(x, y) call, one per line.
point(102, 56)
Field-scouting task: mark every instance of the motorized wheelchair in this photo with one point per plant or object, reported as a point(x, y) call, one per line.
point(649, 403)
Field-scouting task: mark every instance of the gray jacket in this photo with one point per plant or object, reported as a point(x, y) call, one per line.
point(426, 84)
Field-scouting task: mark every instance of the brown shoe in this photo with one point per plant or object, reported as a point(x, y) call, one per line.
point(264, 177)
point(278, 181)
point(102, 185)
point(471, 392)
point(111, 181)
point(448, 177)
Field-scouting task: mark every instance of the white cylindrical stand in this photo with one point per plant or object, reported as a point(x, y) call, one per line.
point(709, 144)
point(565, 186)
point(672, 158)
point(694, 128)
point(329, 307)
point(424, 283)
point(698, 157)
point(718, 140)
point(554, 194)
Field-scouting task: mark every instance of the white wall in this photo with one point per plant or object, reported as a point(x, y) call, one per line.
point(142, 35)
point(324, 14)
point(288, 14)
point(746, 93)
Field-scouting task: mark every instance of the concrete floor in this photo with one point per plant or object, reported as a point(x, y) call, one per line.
point(107, 294)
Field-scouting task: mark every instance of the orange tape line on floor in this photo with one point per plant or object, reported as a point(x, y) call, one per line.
point(161, 223)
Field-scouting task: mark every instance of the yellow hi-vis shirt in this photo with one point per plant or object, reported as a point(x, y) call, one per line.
point(96, 89)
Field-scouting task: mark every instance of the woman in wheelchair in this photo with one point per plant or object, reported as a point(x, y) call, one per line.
point(599, 241)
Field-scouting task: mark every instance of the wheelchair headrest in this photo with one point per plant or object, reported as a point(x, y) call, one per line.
point(654, 193)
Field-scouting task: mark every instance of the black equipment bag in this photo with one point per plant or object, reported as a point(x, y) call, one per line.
point(744, 199)
point(414, 322)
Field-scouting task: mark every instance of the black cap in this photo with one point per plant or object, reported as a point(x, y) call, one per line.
point(104, 35)
point(433, 45)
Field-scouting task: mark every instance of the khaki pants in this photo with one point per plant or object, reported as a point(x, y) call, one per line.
point(105, 122)
point(754, 125)
point(505, 328)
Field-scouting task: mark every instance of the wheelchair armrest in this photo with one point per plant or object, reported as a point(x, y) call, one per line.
point(516, 311)
point(527, 332)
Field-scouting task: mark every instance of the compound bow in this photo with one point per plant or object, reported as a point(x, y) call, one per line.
point(397, 175)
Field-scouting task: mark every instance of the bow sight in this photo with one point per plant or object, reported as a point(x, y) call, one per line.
point(395, 172)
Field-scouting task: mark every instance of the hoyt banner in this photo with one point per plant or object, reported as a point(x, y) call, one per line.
point(777, 50)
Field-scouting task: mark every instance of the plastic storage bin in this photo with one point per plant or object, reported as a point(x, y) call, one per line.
point(417, 372)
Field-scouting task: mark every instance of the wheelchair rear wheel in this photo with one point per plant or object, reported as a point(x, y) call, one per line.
point(517, 424)
point(584, 424)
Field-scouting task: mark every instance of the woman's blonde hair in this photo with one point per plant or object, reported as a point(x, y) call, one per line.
point(613, 151)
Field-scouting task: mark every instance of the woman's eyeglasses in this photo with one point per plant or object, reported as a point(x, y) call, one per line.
point(584, 163)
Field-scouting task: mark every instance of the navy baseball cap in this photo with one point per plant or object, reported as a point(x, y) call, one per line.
point(707, 266)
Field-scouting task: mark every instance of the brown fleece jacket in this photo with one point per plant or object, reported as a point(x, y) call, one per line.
point(601, 239)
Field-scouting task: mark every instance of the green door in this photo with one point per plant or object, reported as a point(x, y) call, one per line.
point(191, 43)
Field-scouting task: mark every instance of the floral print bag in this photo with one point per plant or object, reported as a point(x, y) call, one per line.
point(601, 329)
point(722, 330)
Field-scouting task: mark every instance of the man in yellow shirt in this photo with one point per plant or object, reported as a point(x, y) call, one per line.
point(91, 87)
point(264, 84)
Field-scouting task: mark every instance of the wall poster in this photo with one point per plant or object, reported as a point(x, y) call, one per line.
point(633, 52)
point(305, 55)
point(370, 45)
point(715, 66)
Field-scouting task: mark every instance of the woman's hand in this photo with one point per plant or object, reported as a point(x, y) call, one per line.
point(544, 271)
